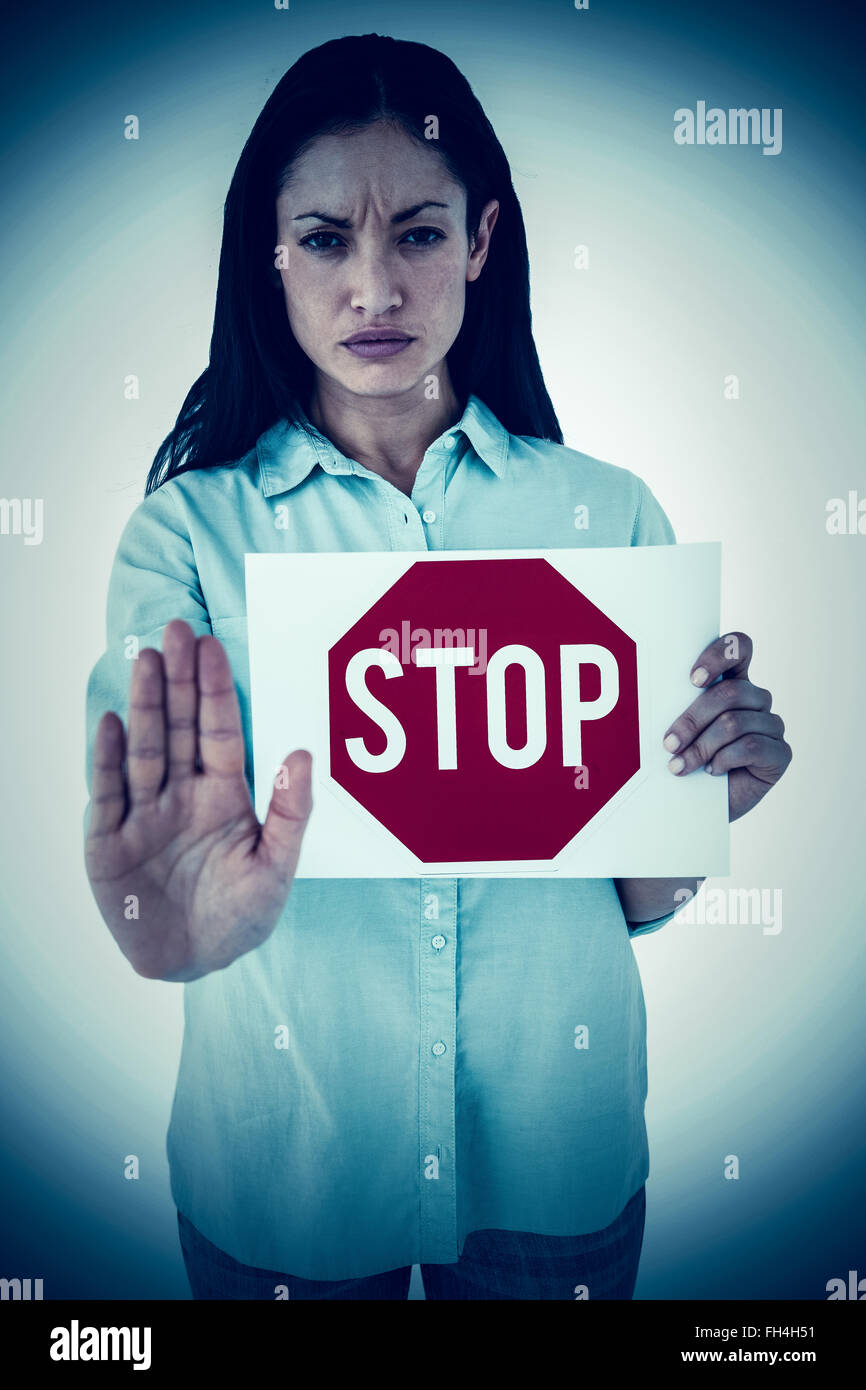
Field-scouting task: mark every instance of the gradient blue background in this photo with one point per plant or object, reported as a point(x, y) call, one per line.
point(703, 262)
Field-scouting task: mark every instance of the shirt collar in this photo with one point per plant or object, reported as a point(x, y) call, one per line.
point(288, 452)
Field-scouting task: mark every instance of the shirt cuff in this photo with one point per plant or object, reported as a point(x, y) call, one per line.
point(641, 928)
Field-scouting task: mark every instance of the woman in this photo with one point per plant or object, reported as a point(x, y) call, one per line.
point(374, 1073)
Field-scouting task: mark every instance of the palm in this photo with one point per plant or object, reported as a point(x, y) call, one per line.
point(183, 873)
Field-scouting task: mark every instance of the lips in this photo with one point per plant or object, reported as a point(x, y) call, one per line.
point(377, 342)
point(377, 335)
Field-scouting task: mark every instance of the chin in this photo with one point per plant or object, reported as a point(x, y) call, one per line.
point(383, 379)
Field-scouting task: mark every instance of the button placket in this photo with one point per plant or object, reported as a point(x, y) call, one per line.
point(406, 531)
point(437, 1059)
point(428, 495)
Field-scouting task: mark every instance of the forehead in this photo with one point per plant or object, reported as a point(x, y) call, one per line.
point(379, 162)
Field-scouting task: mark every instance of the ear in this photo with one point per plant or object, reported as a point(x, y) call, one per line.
point(481, 244)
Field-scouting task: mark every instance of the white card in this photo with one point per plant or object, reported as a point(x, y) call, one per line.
point(488, 712)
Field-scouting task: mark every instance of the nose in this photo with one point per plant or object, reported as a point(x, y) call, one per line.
point(375, 288)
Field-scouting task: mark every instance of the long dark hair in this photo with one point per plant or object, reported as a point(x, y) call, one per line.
point(257, 372)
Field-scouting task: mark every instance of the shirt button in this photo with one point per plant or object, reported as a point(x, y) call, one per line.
point(438, 942)
point(437, 1049)
point(428, 515)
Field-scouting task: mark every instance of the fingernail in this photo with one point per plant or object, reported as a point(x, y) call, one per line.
point(676, 764)
point(672, 743)
point(708, 767)
point(699, 675)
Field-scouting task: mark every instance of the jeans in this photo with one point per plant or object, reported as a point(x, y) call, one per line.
point(494, 1264)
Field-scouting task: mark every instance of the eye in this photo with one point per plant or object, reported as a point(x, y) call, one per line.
point(430, 232)
point(315, 236)
point(330, 241)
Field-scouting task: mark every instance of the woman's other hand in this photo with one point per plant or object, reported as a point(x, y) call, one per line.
point(729, 727)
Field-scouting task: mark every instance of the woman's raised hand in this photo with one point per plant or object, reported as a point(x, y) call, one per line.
point(183, 873)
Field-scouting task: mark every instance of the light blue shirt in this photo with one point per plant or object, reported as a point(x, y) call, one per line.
point(433, 1082)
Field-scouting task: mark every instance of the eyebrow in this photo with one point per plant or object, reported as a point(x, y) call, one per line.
point(344, 222)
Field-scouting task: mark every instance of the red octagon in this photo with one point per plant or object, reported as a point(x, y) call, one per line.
point(479, 809)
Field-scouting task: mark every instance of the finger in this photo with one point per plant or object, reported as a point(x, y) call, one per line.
point(108, 789)
point(145, 744)
point(289, 810)
point(181, 697)
point(726, 656)
point(724, 695)
point(727, 728)
point(220, 735)
point(766, 758)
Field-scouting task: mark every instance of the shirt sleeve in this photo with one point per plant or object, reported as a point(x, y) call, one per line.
point(651, 527)
point(154, 578)
point(651, 523)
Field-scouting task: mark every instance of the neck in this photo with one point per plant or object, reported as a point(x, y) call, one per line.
point(389, 435)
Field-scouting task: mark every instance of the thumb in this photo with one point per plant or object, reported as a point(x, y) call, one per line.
point(289, 810)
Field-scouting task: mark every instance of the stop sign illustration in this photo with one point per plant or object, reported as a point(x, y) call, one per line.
point(483, 710)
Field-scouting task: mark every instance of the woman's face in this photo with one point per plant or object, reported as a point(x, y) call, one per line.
point(375, 234)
